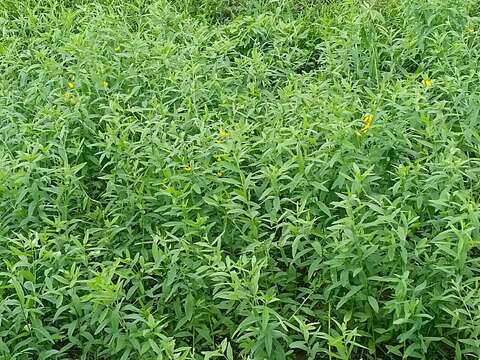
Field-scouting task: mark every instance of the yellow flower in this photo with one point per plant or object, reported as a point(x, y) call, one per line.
point(427, 82)
point(367, 123)
point(67, 95)
point(104, 83)
point(223, 134)
point(188, 168)
point(220, 173)
point(71, 85)
point(218, 157)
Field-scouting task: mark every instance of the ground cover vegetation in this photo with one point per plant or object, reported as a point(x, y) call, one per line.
point(239, 179)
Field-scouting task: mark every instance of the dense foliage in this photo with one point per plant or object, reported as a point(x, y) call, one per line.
point(239, 179)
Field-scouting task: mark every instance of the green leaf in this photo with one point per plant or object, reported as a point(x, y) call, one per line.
point(373, 303)
point(268, 336)
point(229, 352)
point(189, 306)
point(349, 295)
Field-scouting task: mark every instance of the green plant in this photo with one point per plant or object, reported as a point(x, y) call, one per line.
point(239, 179)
